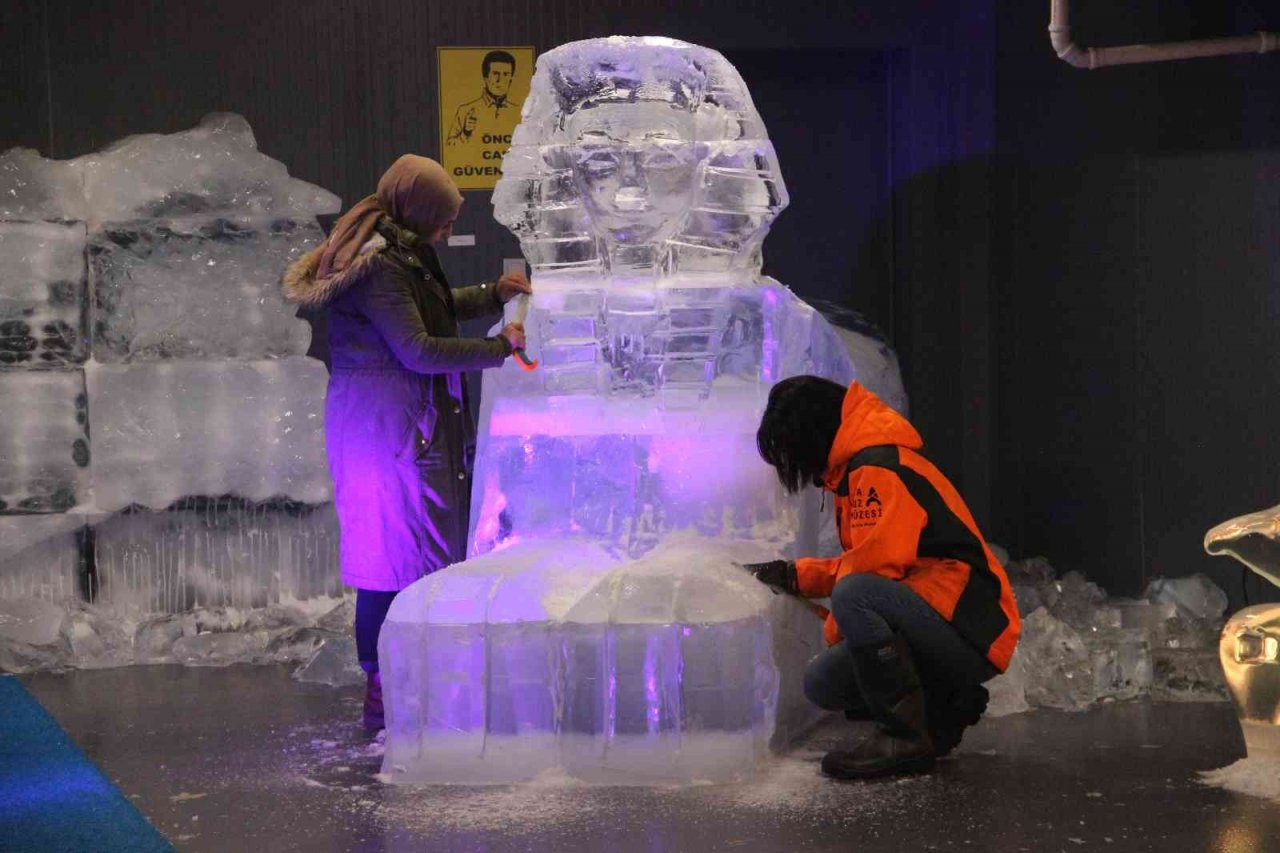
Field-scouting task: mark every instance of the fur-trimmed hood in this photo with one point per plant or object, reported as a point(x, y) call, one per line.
point(301, 286)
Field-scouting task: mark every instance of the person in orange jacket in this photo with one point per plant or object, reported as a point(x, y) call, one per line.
point(921, 611)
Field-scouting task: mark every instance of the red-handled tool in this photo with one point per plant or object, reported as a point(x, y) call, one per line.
point(522, 358)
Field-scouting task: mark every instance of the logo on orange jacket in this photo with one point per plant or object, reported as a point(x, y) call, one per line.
point(865, 509)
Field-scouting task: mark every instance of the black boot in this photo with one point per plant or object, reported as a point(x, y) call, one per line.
point(891, 687)
point(951, 712)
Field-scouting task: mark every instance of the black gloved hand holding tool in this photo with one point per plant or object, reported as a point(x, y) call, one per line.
point(779, 574)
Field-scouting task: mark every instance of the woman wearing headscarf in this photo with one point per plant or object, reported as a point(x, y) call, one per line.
point(398, 429)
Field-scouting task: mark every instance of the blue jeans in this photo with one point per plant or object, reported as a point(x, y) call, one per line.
point(371, 612)
point(870, 609)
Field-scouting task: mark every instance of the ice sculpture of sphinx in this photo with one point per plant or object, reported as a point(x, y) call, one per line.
point(601, 624)
point(1250, 645)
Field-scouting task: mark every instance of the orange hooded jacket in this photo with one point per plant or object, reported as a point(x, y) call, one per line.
point(899, 518)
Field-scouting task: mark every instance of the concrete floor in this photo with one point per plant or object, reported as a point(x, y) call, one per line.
point(244, 758)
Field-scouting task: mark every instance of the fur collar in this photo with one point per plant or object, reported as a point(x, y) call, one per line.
point(303, 288)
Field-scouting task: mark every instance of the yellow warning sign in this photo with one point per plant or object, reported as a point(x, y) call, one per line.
point(482, 90)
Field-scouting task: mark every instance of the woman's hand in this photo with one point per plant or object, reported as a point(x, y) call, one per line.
point(511, 285)
point(514, 333)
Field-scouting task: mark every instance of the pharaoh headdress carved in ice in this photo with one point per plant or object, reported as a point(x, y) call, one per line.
point(639, 158)
point(641, 183)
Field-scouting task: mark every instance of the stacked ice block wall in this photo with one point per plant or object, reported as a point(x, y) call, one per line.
point(617, 485)
point(161, 437)
point(44, 434)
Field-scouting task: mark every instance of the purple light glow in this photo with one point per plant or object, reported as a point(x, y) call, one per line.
point(611, 690)
point(652, 690)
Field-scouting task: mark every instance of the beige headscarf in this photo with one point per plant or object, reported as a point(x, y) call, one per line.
point(416, 192)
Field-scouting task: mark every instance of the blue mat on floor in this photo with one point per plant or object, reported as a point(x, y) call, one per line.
point(51, 797)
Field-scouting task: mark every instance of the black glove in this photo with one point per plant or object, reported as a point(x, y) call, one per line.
point(779, 574)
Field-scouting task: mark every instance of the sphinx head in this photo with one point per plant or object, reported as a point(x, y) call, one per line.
point(635, 152)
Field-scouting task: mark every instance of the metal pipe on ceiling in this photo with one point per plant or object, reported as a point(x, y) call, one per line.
point(1133, 54)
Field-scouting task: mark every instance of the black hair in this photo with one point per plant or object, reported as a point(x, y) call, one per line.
point(496, 56)
point(798, 427)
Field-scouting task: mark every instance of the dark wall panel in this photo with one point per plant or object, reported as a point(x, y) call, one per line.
point(828, 116)
point(1070, 351)
point(24, 68)
point(1210, 235)
point(943, 148)
point(1136, 288)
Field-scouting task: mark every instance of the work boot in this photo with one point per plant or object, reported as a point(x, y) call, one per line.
point(373, 719)
point(950, 714)
point(891, 687)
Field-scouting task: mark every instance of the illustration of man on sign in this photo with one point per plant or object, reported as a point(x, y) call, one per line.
point(493, 113)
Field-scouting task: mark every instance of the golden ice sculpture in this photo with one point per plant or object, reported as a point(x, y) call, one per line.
point(1250, 644)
